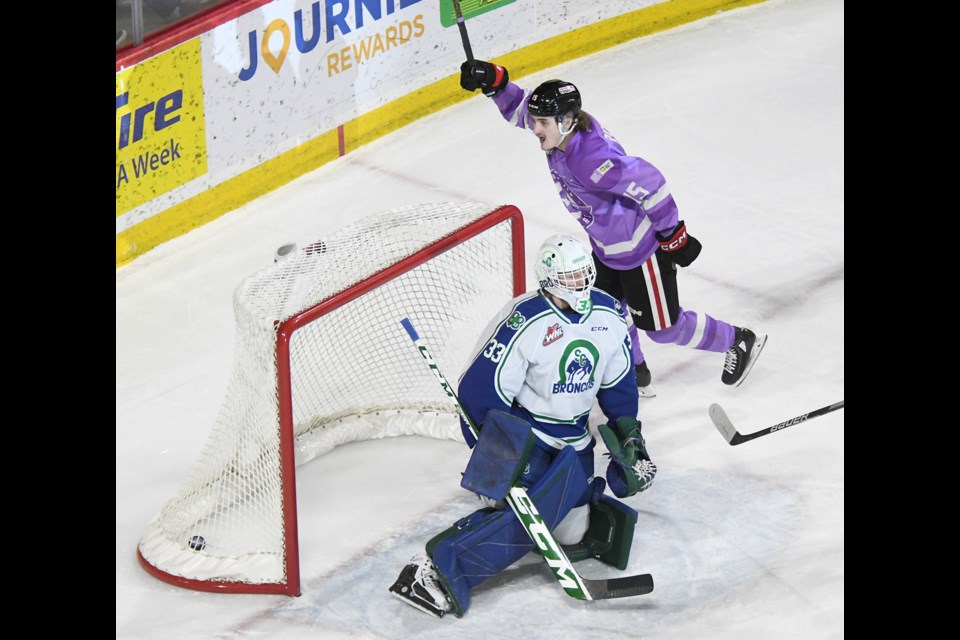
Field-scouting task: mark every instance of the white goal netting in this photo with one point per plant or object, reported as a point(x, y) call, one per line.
point(322, 359)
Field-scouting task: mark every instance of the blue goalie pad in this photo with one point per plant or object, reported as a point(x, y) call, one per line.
point(488, 541)
point(500, 455)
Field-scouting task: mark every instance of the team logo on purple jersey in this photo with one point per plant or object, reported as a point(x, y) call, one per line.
point(574, 204)
point(585, 218)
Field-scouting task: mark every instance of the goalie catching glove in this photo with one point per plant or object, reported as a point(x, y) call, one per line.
point(479, 74)
point(630, 470)
point(682, 247)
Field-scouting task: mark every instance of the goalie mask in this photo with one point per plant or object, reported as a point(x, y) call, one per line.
point(565, 268)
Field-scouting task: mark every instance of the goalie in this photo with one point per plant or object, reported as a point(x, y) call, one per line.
point(537, 369)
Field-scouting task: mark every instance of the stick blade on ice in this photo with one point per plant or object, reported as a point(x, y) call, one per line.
point(722, 423)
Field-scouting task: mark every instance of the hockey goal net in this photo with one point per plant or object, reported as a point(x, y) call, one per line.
point(321, 359)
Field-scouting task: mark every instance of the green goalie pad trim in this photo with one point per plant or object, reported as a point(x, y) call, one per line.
point(580, 551)
point(609, 537)
point(612, 524)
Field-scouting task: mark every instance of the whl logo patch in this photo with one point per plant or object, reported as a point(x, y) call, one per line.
point(578, 367)
point(554, 333)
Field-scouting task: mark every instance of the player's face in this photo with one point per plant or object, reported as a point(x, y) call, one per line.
point(575, 280)
point(546, 129)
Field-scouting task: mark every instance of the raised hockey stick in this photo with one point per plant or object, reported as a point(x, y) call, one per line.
point(463, 30)
point(573, 584)
point(730, 433)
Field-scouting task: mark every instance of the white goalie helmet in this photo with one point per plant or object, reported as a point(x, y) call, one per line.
point(565, 268)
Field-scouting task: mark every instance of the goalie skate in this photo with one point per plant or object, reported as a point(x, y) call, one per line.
point(418, 586)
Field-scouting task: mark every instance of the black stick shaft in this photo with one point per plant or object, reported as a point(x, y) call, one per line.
point(463, 30)
point(789, 423)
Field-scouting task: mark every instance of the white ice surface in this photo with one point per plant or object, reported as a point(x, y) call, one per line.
point(744, 113)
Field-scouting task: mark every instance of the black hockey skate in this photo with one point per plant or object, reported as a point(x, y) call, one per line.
point(644, 381)
point(419, 587)
point(741, 357)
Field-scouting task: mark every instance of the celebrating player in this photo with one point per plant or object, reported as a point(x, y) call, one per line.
point(625, 206)
point(538, 367)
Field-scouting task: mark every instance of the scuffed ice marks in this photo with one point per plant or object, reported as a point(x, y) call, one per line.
point(701, 535)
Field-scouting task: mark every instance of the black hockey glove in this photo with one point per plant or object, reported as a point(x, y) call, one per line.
point(630, 470)
point(680, 246)
point(479, 74)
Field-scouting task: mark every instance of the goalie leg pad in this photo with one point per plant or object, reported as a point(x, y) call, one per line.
point(612, 524)
point(609, 537)
point(488, 541)
point(500, 456)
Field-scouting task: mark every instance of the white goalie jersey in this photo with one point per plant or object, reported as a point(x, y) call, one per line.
point(548, 365)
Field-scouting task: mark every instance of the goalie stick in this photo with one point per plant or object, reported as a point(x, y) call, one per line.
point(730, 433)
point(463, 30)
point(573, 584)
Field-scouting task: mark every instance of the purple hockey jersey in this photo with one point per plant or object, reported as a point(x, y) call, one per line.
point(621, 201)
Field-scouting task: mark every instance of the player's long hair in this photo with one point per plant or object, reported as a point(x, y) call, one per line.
point(583, 121)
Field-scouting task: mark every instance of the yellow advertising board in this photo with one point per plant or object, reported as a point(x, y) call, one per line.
point(161, 140)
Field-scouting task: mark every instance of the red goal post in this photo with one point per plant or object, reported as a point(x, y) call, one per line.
point(321, 359)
